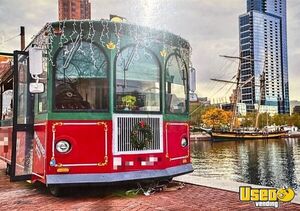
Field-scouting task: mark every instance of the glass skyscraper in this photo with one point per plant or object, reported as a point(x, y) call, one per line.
point(263, 39)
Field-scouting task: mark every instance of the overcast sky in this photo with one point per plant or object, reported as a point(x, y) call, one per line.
point(211, 27)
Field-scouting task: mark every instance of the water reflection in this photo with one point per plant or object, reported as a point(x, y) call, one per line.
point(274, 162)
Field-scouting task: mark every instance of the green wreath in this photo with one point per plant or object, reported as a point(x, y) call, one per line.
point(144, 142)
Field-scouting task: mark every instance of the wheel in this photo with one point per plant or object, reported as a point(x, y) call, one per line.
point(8, 169)
point(55, 190)
point(170, 179)
point(166, 181)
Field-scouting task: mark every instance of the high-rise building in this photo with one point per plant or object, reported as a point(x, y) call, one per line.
point(263, 39)
point(74, 9)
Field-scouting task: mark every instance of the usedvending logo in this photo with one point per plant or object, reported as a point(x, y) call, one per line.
point(266, 197)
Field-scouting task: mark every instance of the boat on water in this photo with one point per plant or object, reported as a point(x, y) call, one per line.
point(243, 135)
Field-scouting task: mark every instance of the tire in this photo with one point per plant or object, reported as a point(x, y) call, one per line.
point(166, 181)
point(55, 190)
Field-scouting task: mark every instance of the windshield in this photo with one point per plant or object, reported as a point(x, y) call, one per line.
point(137, 80)
point(81, 81)
point(176, 84)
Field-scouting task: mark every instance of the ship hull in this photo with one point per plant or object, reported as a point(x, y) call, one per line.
point(216, 136)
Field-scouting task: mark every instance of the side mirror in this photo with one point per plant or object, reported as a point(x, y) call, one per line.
point(36, 88)
point(192, 80)
point(35, 61)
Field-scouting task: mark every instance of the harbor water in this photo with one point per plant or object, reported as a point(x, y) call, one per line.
point(273, 162)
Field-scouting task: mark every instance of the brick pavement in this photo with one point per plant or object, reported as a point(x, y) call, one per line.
point(24, 196)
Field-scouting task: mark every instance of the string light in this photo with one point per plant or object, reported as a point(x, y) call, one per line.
point(81, 37)
point(63, 38)
point(109, 35)
point(91, 37)
point(51, 36)
point(102, 29)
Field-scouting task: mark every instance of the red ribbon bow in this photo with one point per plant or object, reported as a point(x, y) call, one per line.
point(142, 124)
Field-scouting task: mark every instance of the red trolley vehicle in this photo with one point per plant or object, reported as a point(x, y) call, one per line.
point(96, 102)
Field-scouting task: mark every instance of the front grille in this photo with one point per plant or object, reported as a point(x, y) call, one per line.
point(124, 126)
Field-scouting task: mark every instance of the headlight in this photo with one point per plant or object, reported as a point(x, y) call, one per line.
point(184, 142)
point(63, 146)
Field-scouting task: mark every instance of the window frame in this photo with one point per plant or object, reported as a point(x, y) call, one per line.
point(160, 82)
point(45, 81)
point(167, 111)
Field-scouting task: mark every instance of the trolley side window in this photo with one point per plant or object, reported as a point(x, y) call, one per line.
point(81, 78)
point(137, 80)
point(7, 100)
point(176, 84)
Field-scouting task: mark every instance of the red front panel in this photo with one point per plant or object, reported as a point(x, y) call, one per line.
point(89, 144)
point(175, 133)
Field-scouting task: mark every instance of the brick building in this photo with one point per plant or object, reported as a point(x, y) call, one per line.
point(74, 9)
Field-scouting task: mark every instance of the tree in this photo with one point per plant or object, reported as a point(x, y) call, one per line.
point(281, 119)
point(249, 120)
point(264, 119)
point(285, 119)
point(196, 112)
point(295, 120)
point(216, 118)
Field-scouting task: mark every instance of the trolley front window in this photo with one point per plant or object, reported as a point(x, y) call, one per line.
point(137, 80)
point(81, 78)
point(176, 84)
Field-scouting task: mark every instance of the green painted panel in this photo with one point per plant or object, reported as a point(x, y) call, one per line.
point(172, 117)
point(40, 117)
point(79, 116)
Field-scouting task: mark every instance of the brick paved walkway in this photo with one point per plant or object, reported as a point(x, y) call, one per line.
point(23, 196)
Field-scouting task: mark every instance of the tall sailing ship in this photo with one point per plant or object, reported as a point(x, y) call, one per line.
point(242, 134)
point(236, 133)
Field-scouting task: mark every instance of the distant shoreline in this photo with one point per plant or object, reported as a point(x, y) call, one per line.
point(200, 136)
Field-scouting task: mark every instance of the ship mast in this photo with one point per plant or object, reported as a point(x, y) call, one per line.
point(239, 85)
point(236, 99)
point(262, 92)
point(262, 85)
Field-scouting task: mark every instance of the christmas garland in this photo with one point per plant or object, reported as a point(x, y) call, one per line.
point(146, 132)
